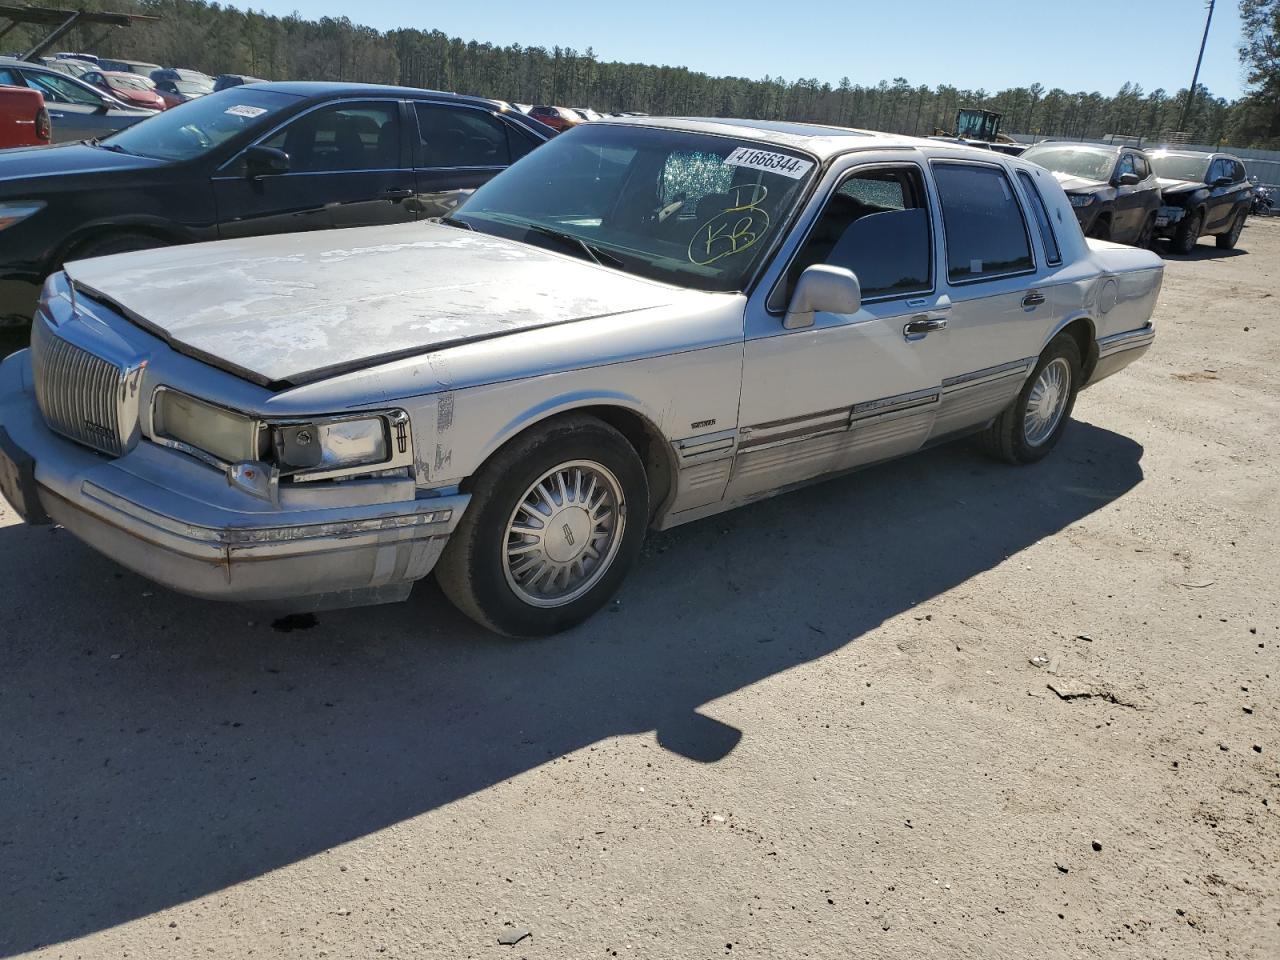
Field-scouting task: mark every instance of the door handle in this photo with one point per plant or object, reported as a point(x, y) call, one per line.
point(923, 325)
point(1033, 299)
point(397, 193)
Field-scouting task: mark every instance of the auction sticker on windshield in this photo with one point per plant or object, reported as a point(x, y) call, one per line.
point(243, 110)
point(782, 163)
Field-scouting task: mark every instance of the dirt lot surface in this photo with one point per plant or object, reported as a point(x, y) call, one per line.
point(812, 728)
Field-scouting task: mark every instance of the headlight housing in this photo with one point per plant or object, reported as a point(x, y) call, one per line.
point(320, 448)
point(16, 212)
point(1080, 199)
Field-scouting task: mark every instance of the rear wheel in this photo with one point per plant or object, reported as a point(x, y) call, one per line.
point(1228, 240)
point(1188, 233)
point(1033, 424)
point(556, 520)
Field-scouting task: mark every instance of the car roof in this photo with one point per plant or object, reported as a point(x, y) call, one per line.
point(1200, 154)
point(324, 89)
point(818, 139)
point(1079, 145)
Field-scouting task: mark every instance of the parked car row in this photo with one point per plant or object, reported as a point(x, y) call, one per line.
point(641, 323)
point(1132, 196)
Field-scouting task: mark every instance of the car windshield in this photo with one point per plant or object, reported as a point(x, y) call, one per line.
point(1083, 162)
point(1172, 166)
point(685, 208)
point(201, 124)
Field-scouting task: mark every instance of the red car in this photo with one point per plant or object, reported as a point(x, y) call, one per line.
point(24, 122)
point(134, 90)
point(558, 119)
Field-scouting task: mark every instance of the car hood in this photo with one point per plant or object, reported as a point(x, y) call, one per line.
point(295, 308)
point(1077, 184)
point(67, 159)
point(1178, 186)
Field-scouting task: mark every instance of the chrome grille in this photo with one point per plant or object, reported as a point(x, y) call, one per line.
point(78, 392)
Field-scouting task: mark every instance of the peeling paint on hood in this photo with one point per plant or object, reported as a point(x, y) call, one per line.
point(294, 308)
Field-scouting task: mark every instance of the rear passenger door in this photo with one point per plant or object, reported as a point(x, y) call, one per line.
point(459, 147)
point(348, 167)
point(1000, 316)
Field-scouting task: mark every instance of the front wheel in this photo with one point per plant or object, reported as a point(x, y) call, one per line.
point(1228, 240)
point(1033, 424)
point(1188, 233)
point(1148, 235)
point(556, 520)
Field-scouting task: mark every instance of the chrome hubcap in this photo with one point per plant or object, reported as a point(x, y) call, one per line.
point(563, 534)
point(1048, 402)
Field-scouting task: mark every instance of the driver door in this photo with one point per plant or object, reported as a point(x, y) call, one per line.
point(349, 166)
point(855, 388)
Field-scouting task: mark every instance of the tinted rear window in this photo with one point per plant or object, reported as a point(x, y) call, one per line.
point(986, 233)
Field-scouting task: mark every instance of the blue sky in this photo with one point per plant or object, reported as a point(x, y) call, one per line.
point(1079, 45)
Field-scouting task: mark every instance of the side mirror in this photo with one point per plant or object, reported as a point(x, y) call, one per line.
point(822, 288)
point(1129, 179)
point(265, 161)
point(1224, 181)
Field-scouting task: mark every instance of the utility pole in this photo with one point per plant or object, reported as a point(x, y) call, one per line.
point(1195, 77)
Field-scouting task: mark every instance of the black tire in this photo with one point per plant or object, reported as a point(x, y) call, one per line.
point(1187, 235)
point(1147, 236)
point(1006, 438)
point(1100, 229)
point(1228, 240)
point(124, 241)
point(472, 570)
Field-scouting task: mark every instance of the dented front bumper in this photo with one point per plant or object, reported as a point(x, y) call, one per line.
point(178, 522)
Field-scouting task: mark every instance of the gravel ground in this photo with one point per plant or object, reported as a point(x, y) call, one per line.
point(810, 728)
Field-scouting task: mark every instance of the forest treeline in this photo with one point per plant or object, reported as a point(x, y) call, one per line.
point(218, 39)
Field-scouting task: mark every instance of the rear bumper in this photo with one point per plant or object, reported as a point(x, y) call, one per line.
point(1118, 351)
point(179, 523)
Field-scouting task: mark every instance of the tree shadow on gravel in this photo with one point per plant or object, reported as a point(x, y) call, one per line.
point(158, 748)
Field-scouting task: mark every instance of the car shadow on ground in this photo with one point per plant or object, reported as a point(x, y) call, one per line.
point(158, 748)
point(1203, 251)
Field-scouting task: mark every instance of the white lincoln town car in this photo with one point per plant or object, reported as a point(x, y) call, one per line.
point(644, 322)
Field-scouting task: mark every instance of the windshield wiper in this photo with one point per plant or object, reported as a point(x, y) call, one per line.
point(454, 222)
point(595, 254)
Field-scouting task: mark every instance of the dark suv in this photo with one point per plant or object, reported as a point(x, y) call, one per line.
point(1113, 190)
point(1204, 193)
point(257, 159)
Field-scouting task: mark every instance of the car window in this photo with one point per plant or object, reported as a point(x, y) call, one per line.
point(1041, 214)
point(201, 125)
point(461, 137)
point(1126, 166)
point(10, 79)
point(602, 184)
point(61, 90)
point(520, 140)
point(1141, 167)
point(332, 139)
point(985, 231)
point(1239, 171)
point(876, 224)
